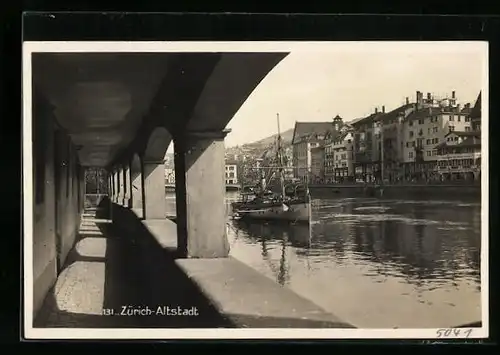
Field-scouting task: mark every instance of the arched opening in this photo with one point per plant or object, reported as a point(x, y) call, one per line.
point(154, 161)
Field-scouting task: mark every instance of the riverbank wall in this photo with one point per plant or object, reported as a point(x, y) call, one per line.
point(399, 191)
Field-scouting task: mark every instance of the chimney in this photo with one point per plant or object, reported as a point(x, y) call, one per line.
point(429, 97)
point(383, 109)
point(458, 108)
point(407, 100)
point(418, 97)
point(376, 109)
point(453, 94)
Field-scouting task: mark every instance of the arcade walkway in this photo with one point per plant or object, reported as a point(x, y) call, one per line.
point(130, 263)
point(120, 112)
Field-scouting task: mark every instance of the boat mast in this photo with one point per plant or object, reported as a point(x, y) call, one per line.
point(382, 151)
point(280, 158)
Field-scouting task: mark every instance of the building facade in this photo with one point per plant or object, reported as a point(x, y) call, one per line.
point(317, 164)
point(307, 135)
point(365, 147)
point(459, 157)
point(231, 173)
point(169, 175)
point(343, 157)
point(424, 129)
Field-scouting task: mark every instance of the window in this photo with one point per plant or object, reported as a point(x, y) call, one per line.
point(348, 141)
point(435, 141)
point(451, 128)
point(429, 130)
point(467, 119)
point(410, 123)
point(428, 142)
point(411, 134)
point(451, 118)
point(410, 155)
point(458, 118)
point(429, 153)
point(407, 144)
point(434, 152)
point(467, 129)
point(455, 139)
point(434, 129)
point(421, 121)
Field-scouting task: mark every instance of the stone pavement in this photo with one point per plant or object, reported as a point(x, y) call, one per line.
point(109, 270)
point(130, 265)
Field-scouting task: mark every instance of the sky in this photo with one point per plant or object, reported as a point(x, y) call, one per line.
point(351, 79)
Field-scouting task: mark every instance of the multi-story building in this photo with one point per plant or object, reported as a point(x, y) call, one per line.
point(169, 175)
point(365, 146)
point(389, 141)
point(424, 129)
point(343, 156)
point(231, 173)
point(306, 136)
point(459, 156)
point(317, 164)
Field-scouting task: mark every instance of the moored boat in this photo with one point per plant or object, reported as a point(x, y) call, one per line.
point(291, 204)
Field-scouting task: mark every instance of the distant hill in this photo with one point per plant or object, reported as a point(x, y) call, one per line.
point(287, 137)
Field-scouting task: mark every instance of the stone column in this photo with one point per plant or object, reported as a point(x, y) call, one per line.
point(205, 195)
point(121, 186)
point(115, 185)
point(136, 194)
point(153, 182)
point(110, 185)
point(126, 185)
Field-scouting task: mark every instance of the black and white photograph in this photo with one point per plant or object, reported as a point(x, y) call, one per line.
point(197, 190)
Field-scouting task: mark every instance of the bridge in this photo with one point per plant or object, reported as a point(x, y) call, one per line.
point(120, 112)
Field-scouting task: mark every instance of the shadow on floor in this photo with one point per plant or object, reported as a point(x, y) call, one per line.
point(138, 274)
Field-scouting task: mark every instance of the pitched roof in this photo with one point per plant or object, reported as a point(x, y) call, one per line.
point(360, 121)
point(476, 110)
point(396, 112)
point(310, 128)
point(429, 111)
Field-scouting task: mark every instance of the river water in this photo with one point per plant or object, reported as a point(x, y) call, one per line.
point(374, 263)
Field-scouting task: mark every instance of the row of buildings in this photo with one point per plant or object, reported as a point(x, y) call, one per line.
point(430, 139)
point(231, 173)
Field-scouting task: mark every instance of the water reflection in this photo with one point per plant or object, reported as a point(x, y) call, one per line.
point(373, 262)
point(428, 246)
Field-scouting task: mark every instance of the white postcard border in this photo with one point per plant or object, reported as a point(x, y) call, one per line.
point(30, 332)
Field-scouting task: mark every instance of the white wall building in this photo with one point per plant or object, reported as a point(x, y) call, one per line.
point(231, 174)
point(459, 156)
point(170, 176)
point(425, 128)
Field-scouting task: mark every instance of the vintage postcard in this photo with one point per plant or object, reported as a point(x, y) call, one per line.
point(196, 190)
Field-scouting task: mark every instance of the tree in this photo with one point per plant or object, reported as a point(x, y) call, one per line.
point(96, 181)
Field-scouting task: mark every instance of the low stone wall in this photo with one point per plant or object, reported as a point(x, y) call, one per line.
point(398, 191)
